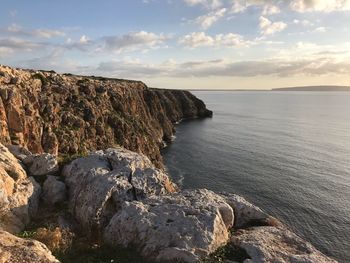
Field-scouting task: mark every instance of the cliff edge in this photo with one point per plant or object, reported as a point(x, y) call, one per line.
point(67, 114)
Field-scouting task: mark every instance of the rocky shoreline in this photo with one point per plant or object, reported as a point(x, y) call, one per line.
point(62, 180)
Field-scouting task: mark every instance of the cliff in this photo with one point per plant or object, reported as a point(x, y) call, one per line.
point(67, 114)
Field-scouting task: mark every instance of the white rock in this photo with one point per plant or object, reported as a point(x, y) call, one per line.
point(272, 244)
point(99, 183)
point(19, 195)
point(42, 164)
point(14, 250)
point(182, 226)
point(54, 191)
point(245, 212)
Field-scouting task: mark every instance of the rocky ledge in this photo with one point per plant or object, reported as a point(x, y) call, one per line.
point(66, 114)
point(119, 198)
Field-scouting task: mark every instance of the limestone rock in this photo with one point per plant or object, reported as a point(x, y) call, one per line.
point(54, 191)
point(19, 195)
point(99, 183)
point(42, 164)
point(277, 244)
point(11, 165)
point(245, 213)
point(17, 250)
point(181, 226)
point(54, 113)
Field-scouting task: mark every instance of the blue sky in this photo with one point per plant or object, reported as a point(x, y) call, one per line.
point(222, 44)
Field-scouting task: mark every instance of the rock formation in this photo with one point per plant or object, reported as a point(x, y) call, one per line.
point(19, 194)
point(117, 196)
point(16, 250)
point(54, 113)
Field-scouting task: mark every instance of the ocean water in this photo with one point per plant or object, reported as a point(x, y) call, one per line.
point(286, 152)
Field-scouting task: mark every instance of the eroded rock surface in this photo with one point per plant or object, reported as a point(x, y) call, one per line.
point(277, 244)
point(183, 226)
point(54, 191)
point(55, 113)
point(100, 183)
point(19, 194)
point(18, 250)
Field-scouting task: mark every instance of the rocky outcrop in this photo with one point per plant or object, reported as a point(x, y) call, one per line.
point(100, 183)
point(17, 250)
point(19, 194)
point(53, 113)
point(181, 227)
point(276, 244)
point(120, 198)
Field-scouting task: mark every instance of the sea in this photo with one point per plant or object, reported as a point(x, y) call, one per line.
point(287, 152)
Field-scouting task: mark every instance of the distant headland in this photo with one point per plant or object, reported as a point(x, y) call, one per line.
point(315, 88)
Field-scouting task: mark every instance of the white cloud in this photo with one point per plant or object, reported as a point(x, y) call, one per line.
point(208, 20)
point(200, 39)
point(134, 41)
point(40, 33)
point(268, 27)
point(319, 5)
point(271, 10)
point(210, 4)
point(224, 68)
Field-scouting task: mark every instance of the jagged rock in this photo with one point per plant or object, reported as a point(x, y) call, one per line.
point(246, 214)
point(17, 250)
point(41, 164)
point(10, 164)
point(19, 152)
point(54, 191)
point(19, 195)
point(67, 114)
point(99, 183)
point(277, 244)
point(182, 226)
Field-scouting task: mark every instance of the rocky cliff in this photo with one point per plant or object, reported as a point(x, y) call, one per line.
point(67, 114)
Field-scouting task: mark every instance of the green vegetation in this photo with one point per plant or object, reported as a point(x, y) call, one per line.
point(26, 234)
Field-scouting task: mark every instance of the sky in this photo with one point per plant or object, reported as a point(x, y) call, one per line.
point(183, 44)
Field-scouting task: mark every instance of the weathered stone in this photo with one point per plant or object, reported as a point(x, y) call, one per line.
point(42, 164)
point(99, 183)
point(246, 214)
point(54, 191)
point(277, 244)
point(11, 165)
point(183, 226)
point(19, 195)
point(17, 250)
point(127, 113)
point(19, 152)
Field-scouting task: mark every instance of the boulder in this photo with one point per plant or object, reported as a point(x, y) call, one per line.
point(246, 214)
point(19, 195)
point(15, 250)
point(54, 191)
point(99, 184)
point(183, 226)
point(42, 164)
point(19, 152)
point(276, 244)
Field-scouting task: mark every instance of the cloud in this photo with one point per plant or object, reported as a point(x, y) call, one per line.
point(134, 41)
point(200, 39)
point(40, 33)
point(209, 4)
point(314, 66)
point(268, 27)
point(21, 44)
point(319, 5)
point(209, 19)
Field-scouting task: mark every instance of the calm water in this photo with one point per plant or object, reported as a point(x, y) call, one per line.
point(287, 152)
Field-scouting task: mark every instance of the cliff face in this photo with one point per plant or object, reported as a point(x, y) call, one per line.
point(54, 113)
